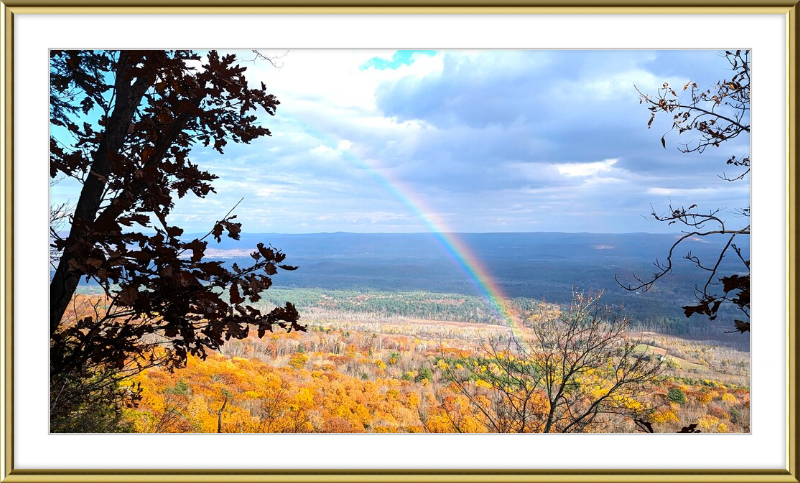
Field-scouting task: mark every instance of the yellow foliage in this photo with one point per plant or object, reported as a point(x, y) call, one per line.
point(626, 402)
point(197, 406)
point(298, 360)
point(439, 423)
point(663, 417)
point(322, 392)
point(704, 397)
point(482, 383)
point(707, 422)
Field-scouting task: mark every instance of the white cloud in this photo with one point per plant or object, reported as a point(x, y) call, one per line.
point(333, 78)
point(586, 169)
point(689, 192)
point(322, 149)
point(491, 139)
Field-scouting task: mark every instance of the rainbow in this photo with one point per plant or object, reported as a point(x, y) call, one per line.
point(450, 242)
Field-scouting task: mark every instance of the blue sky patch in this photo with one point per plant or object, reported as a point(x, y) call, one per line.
point(401, 57)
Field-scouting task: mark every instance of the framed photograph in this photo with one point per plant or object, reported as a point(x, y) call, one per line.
point(380, 242)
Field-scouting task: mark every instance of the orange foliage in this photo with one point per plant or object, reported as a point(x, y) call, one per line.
point(347, 391)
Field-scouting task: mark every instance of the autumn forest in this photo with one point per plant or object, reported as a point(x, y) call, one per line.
point(225, 258)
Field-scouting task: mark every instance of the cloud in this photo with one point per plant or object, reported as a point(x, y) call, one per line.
point(586, 169)
point(500, 140)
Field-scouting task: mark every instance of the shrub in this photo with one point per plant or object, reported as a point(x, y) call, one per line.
point(482, 383)
point(676, 395)
point(718, 411)
point(663, 417)
point(704, 397)
point(707, 422)
point(424, 374)
point(298, 360)
point(181, 388)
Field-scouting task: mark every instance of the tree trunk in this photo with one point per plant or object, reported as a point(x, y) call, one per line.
point(219, 415)
point(128, 98)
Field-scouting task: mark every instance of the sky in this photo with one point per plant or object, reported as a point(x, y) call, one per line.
point(464, 141)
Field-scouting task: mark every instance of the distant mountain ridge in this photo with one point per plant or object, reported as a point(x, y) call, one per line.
point(532, 265)
point(539, 266)
point(485, 245)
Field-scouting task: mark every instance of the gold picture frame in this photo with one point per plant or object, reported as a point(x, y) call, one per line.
point(10, 473)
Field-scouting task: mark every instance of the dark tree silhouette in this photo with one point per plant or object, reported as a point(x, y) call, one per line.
point(714, 115)
point(123, 125)
point(647, 427)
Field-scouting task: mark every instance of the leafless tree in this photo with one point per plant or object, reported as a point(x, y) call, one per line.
point(716, 115)
point(566, 370)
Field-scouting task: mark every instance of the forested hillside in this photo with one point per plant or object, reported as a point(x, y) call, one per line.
point(383, 362)
point(391, 374)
